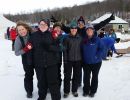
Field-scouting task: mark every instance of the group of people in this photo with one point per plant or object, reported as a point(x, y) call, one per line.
point(109, 39)
point(42, 51)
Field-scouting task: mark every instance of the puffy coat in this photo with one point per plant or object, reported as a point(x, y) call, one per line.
point(92, 50)
point(45, 52)
point(72, 48)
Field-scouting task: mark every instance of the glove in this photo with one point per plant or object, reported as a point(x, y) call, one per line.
point(53, 19)
point(28, 47)
point(54, 34)
point(112, 17)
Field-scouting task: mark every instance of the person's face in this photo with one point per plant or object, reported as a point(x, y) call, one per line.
point(90, 32)
point(73, 31)
point(43, 26)
point(58, 30)
point(81, 24)
point(110, 32)
point(22, 31)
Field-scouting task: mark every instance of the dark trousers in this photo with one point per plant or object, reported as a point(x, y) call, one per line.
point(28, 79)
point(59, 74)
point(80, 79)
point(93, 85)
point(76, 66)
point(109, 53)
point(13, 41)
point(48, 78)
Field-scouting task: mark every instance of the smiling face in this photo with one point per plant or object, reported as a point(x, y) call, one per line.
point(43, 26)
point(73, 31)
point(22, 31)
point(90, 32)
point(58, 30)
point(81, 24)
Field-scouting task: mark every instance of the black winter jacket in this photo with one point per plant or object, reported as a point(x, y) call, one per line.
point(72, 48)
point(45, 52)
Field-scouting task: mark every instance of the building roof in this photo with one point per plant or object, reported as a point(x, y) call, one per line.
point(105, 16)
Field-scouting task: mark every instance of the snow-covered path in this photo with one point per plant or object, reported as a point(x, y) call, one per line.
point(114, 78)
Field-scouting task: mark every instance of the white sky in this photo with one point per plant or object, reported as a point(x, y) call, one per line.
point(18, 6)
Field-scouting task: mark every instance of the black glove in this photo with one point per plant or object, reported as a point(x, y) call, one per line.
point(53, 19)
point(112, 17)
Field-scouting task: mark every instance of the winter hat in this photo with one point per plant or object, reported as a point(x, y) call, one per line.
point(73, 24)
point(89, 26)
point(57, 24)
point(47, 21)
point(81, 19)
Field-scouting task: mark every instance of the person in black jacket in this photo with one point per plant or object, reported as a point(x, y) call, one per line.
point(45, 56)
point(22, 47)
point(81, 25)
point(72, 60)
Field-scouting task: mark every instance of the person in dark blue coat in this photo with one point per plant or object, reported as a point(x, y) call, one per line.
point(109, 45)
point(92, 48)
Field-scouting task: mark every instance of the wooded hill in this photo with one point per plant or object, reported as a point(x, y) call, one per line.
point(90, 11)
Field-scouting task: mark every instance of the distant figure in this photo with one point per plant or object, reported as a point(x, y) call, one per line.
point(13, 36)
point(109, 45)
point(8, 33)
point(123, 30)
point(111, 34)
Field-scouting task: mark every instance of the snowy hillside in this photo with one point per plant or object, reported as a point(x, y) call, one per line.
point(114, 77)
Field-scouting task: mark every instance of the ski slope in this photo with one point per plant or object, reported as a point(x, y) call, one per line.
point(114, 77)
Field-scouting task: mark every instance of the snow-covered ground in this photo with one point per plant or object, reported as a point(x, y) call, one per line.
point(114, 77)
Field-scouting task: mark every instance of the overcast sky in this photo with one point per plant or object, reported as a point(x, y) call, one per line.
point(17, 6)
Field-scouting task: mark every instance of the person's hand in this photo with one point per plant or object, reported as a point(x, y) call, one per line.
point(54, 34)
point(53, 19)
point(112, 17)
point(28, 47)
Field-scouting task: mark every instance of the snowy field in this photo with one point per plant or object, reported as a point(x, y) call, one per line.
point(114, 77)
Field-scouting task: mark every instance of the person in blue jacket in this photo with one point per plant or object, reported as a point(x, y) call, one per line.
point(109, 45)
point(92, 48)
point(111, 34)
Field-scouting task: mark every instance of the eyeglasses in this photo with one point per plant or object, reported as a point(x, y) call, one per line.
point(42, 24)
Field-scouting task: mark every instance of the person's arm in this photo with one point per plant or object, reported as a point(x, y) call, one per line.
point(100, 48)
point(50, 44)
point(113, 49)
point(103, 23)
point(65, 52)
point(65, 29)
point(18, 47)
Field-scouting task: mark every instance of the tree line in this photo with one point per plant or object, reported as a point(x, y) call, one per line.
point(89, 11)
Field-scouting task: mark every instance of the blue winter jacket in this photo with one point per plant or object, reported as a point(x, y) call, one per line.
point(113, 35)
point(92, 50)
point(109, 43)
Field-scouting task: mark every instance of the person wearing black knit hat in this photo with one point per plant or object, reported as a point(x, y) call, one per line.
point(47, 21)
point(81, 22)
point(45, 61)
